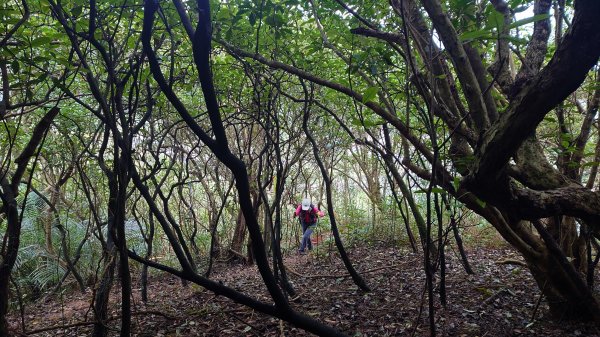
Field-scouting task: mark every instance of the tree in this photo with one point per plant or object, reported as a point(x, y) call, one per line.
point(486, 114)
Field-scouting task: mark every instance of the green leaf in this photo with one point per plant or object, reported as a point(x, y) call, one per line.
point(373, 122)
point(476, 34)
point(275, 20)
point(437, 190)
point(42, 40)
point(15, 66)
point(456, 183)
point(495, 20)
point(525, 21)
point(516, 40)
point(11, 21)
point(566, 138)
point(367, 122)
point(77, 10)
point(356, 122)
point(370, 94)
point(40, 59)
point(223, 14)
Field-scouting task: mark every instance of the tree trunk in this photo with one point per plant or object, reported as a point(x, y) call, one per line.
point(461, 248)
point(239, 234)
point(124, 274)
point(149, 245)
point(563, 286)
point(48, 220)
point(101, 298)
point(9, 256)
point(566, 293)
point(103, 290)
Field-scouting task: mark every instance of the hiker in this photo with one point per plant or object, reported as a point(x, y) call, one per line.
point(308, 214)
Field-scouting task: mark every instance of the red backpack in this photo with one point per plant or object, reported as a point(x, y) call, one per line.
point(309, 216)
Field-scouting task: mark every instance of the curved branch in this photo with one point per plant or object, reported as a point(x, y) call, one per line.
point(573, 200)
point(537, 47)
point(462, 64)
point(576, 55)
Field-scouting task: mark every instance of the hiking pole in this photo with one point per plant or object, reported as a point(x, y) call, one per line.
point(317, 231)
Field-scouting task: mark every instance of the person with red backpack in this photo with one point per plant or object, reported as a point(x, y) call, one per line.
point(308, 215)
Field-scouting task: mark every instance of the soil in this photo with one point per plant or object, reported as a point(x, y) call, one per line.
point(500, 299)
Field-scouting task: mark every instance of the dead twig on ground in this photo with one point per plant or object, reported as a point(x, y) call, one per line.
point(512, 261)
point(493, 297)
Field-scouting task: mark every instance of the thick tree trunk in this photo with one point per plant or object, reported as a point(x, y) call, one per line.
point(121, 244)
point(239, 235)
point(101, 298)
point(9, 256)
point(566, 293)
point(48, 220)
point(103, 290)
point(560, 282)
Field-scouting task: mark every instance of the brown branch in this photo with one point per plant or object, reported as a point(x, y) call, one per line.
point(537, 47)
point(385, 36)
point(36, 137)
point(502, 63)
point(573, 200)
point(573, 169)
point(238, 254)
point(594, 169)
point(462, 64)
point(493, 297)
point(356, 15)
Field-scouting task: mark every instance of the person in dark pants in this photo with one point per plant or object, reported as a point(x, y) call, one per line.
point(308, 215)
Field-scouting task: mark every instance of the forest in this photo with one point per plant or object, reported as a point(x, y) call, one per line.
point(163, 164)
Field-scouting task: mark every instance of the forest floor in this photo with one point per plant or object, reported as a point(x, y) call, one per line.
point(498, 300)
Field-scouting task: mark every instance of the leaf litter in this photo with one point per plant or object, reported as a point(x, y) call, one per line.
point(498, 300)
